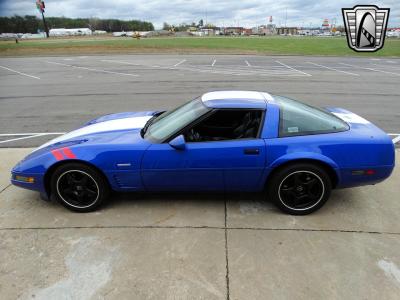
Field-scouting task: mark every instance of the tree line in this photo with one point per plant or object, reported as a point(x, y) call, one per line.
point(31, 24)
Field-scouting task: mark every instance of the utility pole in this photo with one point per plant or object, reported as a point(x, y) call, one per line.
point(45, 25)
point(285, 17)
point(40, 6)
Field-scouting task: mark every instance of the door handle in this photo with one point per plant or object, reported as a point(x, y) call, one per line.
point(251, 151)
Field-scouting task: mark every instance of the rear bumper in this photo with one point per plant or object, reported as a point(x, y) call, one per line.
point(348, 179)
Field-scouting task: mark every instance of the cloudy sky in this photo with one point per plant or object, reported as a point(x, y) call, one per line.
point(246, 13)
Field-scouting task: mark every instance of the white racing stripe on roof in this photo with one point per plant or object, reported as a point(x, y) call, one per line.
point(351, 118)
point(232, 95)
point(268, 97)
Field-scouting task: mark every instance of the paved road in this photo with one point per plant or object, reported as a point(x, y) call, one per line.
point(58, 94)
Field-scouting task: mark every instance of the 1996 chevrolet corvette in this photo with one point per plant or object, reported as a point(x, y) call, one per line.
point(222, 141)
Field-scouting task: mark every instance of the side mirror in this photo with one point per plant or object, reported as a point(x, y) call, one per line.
point(178, 143)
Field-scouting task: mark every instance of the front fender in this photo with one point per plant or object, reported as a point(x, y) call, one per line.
point(33, 166)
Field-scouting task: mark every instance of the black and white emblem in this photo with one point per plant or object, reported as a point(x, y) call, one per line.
point(365, 27)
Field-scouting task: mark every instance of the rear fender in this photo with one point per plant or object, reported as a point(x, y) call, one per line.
point(304, 156)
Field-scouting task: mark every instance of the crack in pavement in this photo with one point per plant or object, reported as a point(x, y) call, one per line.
point(202, 227)
point(226, 250)
point(5, 188)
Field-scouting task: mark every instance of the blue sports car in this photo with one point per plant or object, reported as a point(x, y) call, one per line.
point(222, 141)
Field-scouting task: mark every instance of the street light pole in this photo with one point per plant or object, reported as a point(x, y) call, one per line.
point(285, 17)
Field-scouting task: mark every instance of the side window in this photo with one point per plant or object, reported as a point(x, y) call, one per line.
point(226, 125)
point(297, 118)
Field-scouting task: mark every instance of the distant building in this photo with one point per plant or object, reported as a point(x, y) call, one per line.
point(234, 30)
point(209, 31)
point(287, 30)
point(309, 31)
point(264, 29)
point(67, 32)
point(393, 32)
point(99, 32)
point(246, 31)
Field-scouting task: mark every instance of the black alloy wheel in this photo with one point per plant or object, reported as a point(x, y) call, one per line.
point(79, 187)
point(300, 189)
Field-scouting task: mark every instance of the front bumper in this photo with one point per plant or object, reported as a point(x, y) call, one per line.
point(36, 185)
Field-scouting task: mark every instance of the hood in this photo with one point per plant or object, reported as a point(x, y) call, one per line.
point(122, 115)
point(131, 121)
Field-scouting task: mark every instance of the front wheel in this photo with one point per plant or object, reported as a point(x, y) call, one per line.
point(300, 189)
point(79, 187)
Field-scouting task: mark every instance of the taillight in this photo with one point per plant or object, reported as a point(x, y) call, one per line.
point(363, 172)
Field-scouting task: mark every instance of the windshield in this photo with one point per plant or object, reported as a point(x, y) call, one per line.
point(170, 122)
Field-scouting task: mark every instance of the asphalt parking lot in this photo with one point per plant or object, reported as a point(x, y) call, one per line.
point(186, 246)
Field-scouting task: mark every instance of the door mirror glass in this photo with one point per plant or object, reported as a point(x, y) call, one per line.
point(178, 143)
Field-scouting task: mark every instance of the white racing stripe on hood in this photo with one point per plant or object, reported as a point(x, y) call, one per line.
point(106, 126)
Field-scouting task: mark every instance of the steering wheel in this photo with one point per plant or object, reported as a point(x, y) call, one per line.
point(193, 135)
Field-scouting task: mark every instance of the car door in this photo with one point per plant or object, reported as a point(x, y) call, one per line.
point(242, 163)
point(197, 167)
point(206, 165)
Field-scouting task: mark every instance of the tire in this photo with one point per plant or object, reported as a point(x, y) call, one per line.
point(79, 187)
point(300, 188)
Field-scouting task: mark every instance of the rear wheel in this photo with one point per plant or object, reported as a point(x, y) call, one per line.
point(79, 187)
point(300, 189)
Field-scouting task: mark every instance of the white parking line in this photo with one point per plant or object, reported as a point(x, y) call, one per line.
point(289, 67)
point(333, 69)
point(394, 67)
point(21, 138)
point(179, 63)
point(396, 140)
point(137, 64)
point(228, 70)
point(20, 73)
point(32, 133)
point(247, 63)
point(92, 69)
point(27, 136)
point(213, 63)
point(239, 72)
point(371, 69)
point(121, 62)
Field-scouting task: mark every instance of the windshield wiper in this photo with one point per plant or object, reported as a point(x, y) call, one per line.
point(147, 125)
